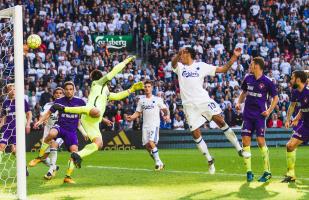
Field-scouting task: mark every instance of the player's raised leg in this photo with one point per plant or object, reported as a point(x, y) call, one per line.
point(230, 135)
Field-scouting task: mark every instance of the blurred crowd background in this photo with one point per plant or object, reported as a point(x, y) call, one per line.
point(276, 30)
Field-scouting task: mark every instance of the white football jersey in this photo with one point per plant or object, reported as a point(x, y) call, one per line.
point(191, 80)
point(150, 108)
point(53, 117)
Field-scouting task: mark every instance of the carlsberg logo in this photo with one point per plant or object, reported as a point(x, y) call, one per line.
point(114, 44)
point(114, 41)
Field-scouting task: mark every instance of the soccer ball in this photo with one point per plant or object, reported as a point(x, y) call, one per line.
point(34, 41)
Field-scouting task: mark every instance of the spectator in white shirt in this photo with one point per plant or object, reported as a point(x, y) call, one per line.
point(178, 123)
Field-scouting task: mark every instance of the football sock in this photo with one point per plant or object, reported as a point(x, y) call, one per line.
point(247, 161)
point(290, 159)
point(78, 110)
point(44, 146)
point(1, 154)
point(230, 135)
point(265, 155)
point(155, 153)
point(201, 145)
point(87, 150)
point(53, 159)
point(70, 167)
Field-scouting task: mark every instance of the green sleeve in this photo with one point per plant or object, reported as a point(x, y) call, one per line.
point(118, 96)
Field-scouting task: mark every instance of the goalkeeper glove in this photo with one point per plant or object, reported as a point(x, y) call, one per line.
point(137, 86)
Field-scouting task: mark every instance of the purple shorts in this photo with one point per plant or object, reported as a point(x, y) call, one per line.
point(69, 136)
point(250, 126)
point(9, 136)
point(301, 133)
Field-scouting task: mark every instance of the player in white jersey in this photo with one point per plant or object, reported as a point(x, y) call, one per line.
point(51, 153)
point(198, 106)
point(150, 107)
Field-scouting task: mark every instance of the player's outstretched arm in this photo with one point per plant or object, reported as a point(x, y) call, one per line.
point(42, 119)
point(124, 94)
point(134, 116)
point(289, 114)
point(107, 121)
point(118, 68)
point(176, 58)
point(297, 118)
point(227, 66)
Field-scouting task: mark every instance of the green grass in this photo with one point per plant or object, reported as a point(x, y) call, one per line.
point(128, 175)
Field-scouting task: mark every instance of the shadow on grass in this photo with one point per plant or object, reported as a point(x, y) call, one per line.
point(192, 195)
point(69, 198)
point(247, 192)
point(301, 186)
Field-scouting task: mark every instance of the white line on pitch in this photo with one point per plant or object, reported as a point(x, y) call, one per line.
point(175, 171)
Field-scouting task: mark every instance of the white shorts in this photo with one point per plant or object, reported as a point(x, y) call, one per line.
point(59, 141)
point(198, 114)
point(150, 134)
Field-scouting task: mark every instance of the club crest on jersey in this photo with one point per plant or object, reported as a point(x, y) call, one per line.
point(188, 74)
point(306, 100)
point(261, 85)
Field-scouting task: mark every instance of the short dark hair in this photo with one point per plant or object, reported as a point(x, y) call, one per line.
point(148, 82)
point(301, 75)
point(260, 62)
point(69, 83)
point(96, 75)
point(191, 51)
point(57, 88)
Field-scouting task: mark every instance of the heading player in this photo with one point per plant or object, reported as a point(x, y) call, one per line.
point(198, 106)
point(301, 132)
point(150, 107)
point(256, 88)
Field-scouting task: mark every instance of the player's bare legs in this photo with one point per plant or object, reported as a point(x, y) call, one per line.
point(291, 148)
point(230, 135)
point(153, 152)
point(45, 144)
point(201, 145)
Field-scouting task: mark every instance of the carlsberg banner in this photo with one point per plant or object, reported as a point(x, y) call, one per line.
point(115, 42)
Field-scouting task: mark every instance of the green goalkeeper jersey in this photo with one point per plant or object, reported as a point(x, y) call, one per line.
point(98, 96)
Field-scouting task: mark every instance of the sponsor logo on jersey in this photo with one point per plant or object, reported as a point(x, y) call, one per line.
point(147, 107)
point(261, 85)
point(70, 116)
point(120, 142)
point(188, 74)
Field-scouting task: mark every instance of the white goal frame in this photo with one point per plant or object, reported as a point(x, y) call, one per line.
point(16, 14)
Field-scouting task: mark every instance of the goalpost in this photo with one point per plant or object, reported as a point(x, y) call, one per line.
point(14, 18)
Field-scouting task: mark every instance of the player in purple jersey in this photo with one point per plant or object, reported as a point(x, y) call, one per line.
point(8, 123)
point(256, 89)
point(65, 127)
point(301, 134)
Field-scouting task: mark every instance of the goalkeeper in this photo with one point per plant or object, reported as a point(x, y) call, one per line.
point(92, 113)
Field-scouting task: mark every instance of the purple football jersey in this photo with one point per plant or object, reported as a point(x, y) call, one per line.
point(295, 98)
point(67, 120)
point(304, 105)
point(258, 92)
point(8, 110)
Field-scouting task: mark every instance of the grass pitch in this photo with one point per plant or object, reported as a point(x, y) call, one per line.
point(129, 175)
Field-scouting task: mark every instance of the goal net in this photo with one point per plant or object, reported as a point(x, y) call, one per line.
point(12, 145)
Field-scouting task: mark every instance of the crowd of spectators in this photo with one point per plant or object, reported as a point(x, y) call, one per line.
point(276, 30)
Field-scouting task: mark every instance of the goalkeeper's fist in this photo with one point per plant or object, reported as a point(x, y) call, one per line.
point(129, 59)
point(137, 86)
